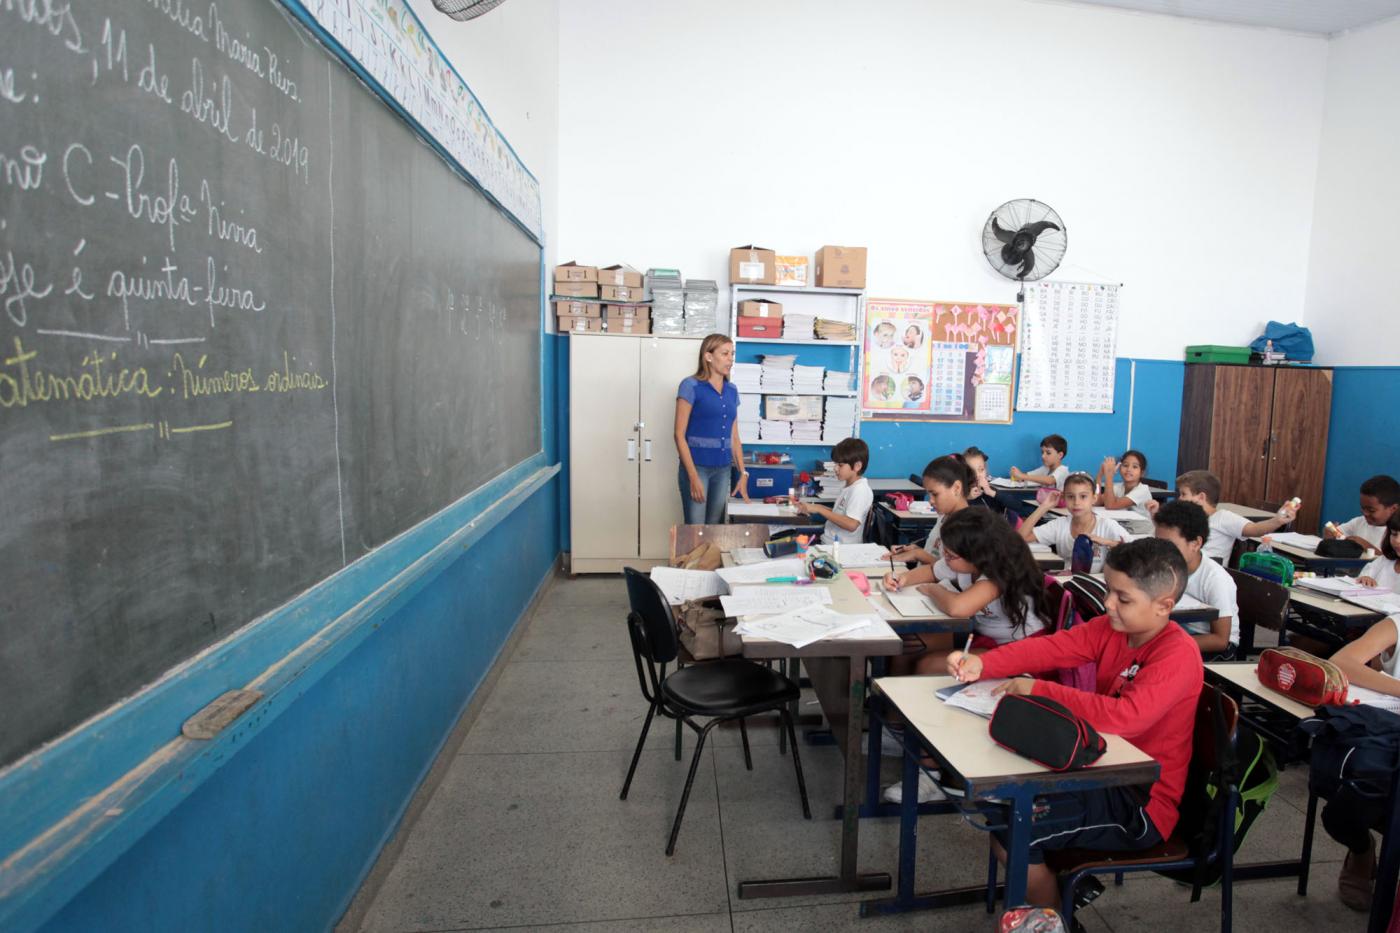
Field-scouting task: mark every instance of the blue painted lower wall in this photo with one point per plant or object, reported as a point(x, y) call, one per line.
point(1364, 436)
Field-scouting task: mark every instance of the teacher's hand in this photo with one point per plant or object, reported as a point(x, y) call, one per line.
point(741, 488)
point(697, 488)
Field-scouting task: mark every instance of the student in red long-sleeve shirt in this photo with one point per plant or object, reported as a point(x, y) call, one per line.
point(1149, 678)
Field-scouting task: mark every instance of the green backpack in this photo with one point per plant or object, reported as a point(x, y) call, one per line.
point(1268, 566)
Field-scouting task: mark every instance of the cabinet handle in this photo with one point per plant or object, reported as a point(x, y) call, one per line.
point(639, 426)
point(646, 450)
point(631, 450)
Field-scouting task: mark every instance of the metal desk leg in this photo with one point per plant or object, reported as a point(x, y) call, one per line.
point(1019, 848)
point(850, 878)
point(908, 828)
point(1383, 899)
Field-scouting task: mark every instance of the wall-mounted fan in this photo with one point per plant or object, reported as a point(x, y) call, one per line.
point(1024, 239)
point(466, 9)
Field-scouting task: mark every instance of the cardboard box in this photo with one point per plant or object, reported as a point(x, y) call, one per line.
point(573, 272)
point(580, 325)
point(578, 309)
point(841, 267)
point(622, 293)
point(792, 407)
point(628, 325)
point(627, 313)
point(769, 328)
point(576, 289)
point(760, 307)
point(792, 271)
point(620, 275)
point(753, 265)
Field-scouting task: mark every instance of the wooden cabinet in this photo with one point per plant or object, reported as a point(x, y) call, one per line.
point(623, 491)
point(1262, 430)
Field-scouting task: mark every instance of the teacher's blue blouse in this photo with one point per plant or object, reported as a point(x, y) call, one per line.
point(711, 428)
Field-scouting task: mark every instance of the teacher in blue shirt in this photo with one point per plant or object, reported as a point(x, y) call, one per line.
point(707, 434)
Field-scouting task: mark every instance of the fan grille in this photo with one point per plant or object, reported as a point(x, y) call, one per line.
point(466, 9)
point(1013, 216)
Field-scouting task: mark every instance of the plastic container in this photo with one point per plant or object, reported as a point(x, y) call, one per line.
point(1215, 353)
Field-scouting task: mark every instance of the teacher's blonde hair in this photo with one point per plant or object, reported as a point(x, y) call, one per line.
point(709, 345)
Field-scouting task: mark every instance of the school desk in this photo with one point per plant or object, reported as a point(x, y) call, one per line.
point(785, 515)
point(1247, 512)
point(958, 741)
point(1305, 559)
point(836, 668)
point(1327, 618)
point(1265, 711)
point(899, 526)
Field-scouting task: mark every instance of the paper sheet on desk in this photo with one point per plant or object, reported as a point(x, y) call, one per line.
point(802, 627)
point(768, 600)
point(1121, 515)
point(760, 572)
point(979, 697)
point(1369, 697)
point(1377, 600)
point(748, 555)
point(680, 585)
point(756, 509)
point(913, 604)
point(1339, 586)
point(856, 555)
point(1038, 548)
point(1186, 603)
point(1005, 483)
point(1294, 539)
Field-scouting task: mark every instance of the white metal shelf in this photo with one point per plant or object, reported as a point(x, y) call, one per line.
point(800, 343)
point(797, 290)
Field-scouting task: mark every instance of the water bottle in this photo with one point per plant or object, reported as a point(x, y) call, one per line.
point(1082, 557)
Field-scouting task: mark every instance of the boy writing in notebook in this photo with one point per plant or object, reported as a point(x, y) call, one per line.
point(1380, 496)
point(1203, 488)
point(845, 520)
point(1185, 526)
point(1149, 678)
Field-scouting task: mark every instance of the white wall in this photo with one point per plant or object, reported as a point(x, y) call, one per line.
point(1182, 154)
point(510, 60)
point(1352, 304)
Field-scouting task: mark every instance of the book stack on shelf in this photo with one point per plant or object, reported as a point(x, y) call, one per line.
point(747, 377)
point(808, 379)
point(798, 326)
point(836, 382)
point(775, 431)
point(840, 421)
point(701, 300)
point(750, 414)
point(829, 485)
point(835, 330)
point(667, 302)
point(777, 373)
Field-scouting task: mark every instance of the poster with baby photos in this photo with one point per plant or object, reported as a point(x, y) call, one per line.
point(939, 360)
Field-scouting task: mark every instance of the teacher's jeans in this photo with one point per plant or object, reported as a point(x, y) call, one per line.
point(715, 479)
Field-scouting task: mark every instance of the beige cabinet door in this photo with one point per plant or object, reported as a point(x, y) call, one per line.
point(664, 363)
point(604, 446)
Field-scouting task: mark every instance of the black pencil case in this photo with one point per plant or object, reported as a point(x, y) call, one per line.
point(1046, 732)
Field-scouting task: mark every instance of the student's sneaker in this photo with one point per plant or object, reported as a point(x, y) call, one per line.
point(929, 791)
point(1355, 883)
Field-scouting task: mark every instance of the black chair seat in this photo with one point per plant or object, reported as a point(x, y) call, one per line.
point(727, 688)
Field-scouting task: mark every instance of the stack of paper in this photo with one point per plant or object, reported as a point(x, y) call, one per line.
point(806, 432)
point(701, 299)
point(1294, 539)
point(750, 414)
point(1338, 586)
point(798, 326)
point(775, 431)
point(767, 600)
point(680, 585)
point(802, 627)
point(667, 301)
point(808, 378)
point(747, 377)
point(980, 697)
point(840, 421)
point(835, 330)
point(776, 375)
point(829, 485)
point(762, 571)
point(839, 382)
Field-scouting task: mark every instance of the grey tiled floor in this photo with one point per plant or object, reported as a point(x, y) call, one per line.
point(526, 831)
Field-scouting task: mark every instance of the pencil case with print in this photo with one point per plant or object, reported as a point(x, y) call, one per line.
point(1046, 732)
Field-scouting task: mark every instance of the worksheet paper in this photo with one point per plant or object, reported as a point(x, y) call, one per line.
point(1005, 483)
point(1337, 586)
point(756, 600)
point(748, 555)
point(1377, 600)
point(980, 697)
point(760, 572)
point(802, 627)
point(755, 509)
point(856, 555)
point(1294, 539)
point(680, 585)
point(1371, 697)
point(1120, 515)
point(913, 605)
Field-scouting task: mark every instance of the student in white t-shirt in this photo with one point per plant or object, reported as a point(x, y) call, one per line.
point(845, 521)
point(1052, 470)
point(1184, 524)
point(1384, 571)
point(1129, 493)
point(1203, 488)
point(1380, 499)
point(1080, 494)
point(946, 480)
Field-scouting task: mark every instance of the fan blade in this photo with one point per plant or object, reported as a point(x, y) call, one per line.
point(1027, 264)
point(1039, 227)
point(1000, 233)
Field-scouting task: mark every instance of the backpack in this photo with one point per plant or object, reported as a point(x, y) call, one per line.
point(1268, 566)
point(1089, 594)
point(1355, 753)
point(1084, 676)
point(1257, 772)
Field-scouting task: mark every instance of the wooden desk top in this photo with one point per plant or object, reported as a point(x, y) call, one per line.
point(845, 598)
point(1331, 605)
point(905, 515)
point(1244, 675)
point(962, 741)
